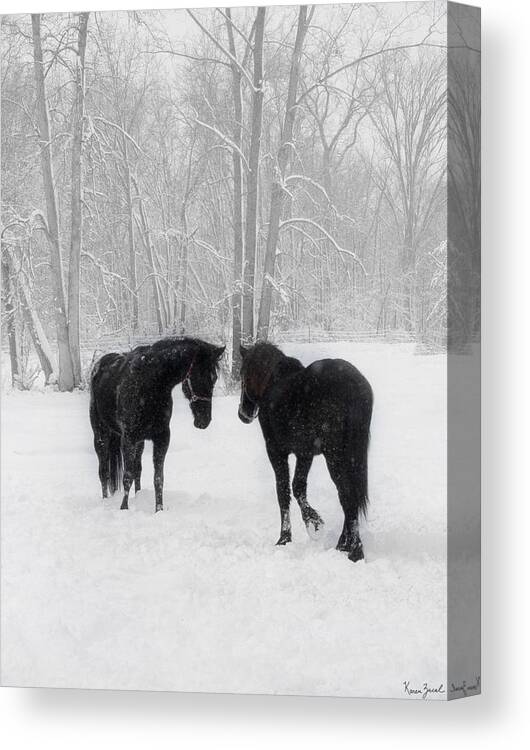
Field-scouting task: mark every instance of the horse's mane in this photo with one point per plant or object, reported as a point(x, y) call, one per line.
point(262, 360)
point(169, 341)
point(186, 343)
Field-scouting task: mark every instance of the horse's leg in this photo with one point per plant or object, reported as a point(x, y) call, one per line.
point(160, 446)
point(310, 517)
point(345, 538)
point(138, 466)
point(280, 464)
point(101, 446)
point(342, 474)
point(129, 456)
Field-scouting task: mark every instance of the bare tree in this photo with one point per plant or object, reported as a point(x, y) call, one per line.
point(133, 276)
point(277, 197)
point(464, 196)
point(74, 268)
point(237, 198)
point(249, 266)
point(409, 120)
point(257, 165)
point(65, 378)
point(21, 310)
point(11, 325)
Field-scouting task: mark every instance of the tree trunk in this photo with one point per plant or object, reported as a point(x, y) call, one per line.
point(146, 236)
point(38, 336)
point(183, 269)
point(238, 204)
point(184, 257)
point(66, 376)
point(278, 195)
point(11, 327)
point(408, 262)
point(133, 281)
point(31, 317)
point(252, 182)
point(76, 201)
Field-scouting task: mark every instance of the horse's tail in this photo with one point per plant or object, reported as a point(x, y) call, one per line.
point(360, 468)
point(115, 467)
point(360, 444)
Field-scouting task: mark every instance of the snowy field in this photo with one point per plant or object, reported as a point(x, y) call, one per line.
point(198, 598)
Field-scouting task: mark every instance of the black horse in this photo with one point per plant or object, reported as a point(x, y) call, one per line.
point(324, 408)
point(130, 402)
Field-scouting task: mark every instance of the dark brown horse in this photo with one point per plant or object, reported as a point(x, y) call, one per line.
point(324, 408)
point(131, 401)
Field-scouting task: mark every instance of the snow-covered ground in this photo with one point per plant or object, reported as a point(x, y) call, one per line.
point(198, 598)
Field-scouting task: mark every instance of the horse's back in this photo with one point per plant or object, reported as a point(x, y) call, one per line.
point(339, 398)
point(337, 379)
point(318, 408)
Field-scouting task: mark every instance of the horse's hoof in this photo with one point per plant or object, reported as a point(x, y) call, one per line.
point(284, 539)
point(356, 554)
point(159, 507)
point(124, 506)
point(314, 526)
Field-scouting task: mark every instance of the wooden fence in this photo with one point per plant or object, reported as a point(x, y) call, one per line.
point(115, 342)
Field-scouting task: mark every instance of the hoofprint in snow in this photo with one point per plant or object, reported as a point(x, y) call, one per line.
point(198, 598)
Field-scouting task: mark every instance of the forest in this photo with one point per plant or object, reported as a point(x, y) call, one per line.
point(238, 174)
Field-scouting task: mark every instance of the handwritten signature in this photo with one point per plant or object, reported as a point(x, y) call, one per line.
point(466, 689)
point(424, 691)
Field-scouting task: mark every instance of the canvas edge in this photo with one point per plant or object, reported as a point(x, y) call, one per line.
point(463, 361)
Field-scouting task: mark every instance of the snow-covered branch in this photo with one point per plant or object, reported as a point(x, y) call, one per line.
point(224, 138)
point(302, 220)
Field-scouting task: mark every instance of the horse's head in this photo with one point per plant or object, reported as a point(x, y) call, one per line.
point(257, 365)
point(199, 382)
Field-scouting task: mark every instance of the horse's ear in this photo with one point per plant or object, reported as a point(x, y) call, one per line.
point(243, 351)
point(218, 351)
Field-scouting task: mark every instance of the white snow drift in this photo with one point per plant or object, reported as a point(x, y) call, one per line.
point(198, 598)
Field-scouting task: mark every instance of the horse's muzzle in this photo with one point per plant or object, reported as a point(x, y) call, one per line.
point(201, 422)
